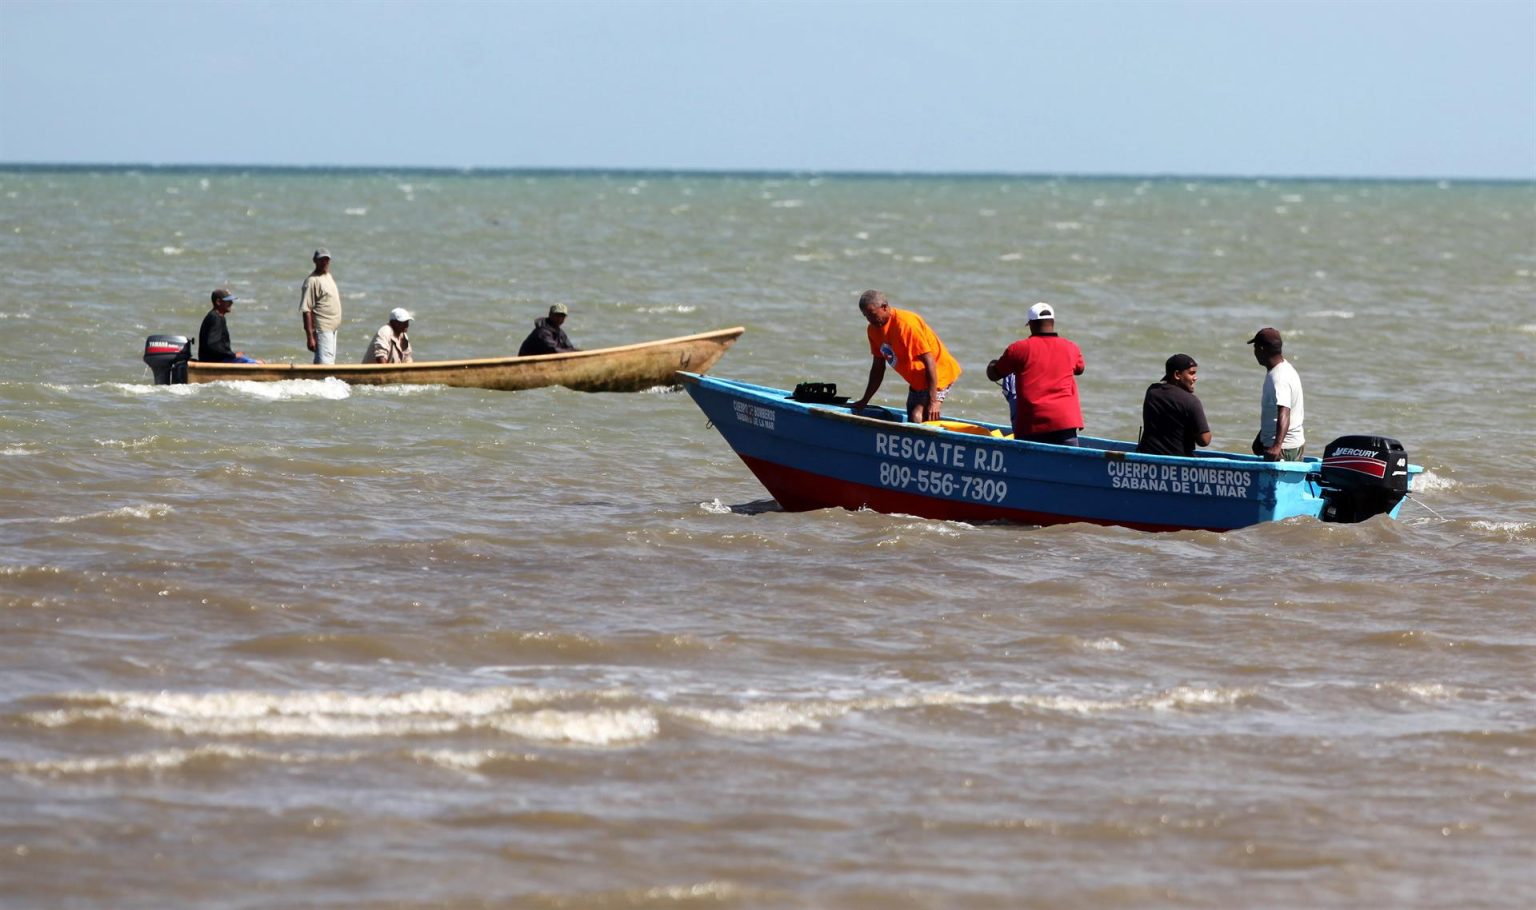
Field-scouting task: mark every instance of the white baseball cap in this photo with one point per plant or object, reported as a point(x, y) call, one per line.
point(1041, 311)
point(399, 314)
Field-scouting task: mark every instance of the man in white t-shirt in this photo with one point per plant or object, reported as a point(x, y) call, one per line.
point(1280, 412)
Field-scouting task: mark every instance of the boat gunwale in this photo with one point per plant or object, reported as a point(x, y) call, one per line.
point(1310, 465)
point(427, 365)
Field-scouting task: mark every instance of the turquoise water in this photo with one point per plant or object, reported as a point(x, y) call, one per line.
point(303, 644)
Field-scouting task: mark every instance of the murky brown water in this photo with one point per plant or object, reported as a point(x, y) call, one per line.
point(305, 645)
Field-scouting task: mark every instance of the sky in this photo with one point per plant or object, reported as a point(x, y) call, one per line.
point(1369, 88)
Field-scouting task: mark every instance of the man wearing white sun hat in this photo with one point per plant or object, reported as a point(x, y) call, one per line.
point(390, 342)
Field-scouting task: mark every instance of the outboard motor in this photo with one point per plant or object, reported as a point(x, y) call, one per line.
point(167, 356)
point(1363, 476)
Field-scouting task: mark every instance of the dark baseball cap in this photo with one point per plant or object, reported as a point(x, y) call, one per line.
point(1268, 337)
point(1178, 362)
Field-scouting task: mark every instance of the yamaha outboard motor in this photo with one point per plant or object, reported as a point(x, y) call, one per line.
point(167, 356)
point(1363, 476)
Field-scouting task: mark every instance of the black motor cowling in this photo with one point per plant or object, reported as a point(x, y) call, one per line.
point(1363, 476)
point(167, 356)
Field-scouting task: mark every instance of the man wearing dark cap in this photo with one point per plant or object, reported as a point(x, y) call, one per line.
point(1280, 410)
point(1045, 368)
point(320, 305)
point(213, 337)
point(1172, 418)
point(547, 337)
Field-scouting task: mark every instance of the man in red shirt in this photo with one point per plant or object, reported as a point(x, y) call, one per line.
point(1044, 368)
point(903, 340)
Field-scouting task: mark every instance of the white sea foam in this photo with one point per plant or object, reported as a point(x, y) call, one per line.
point(170, 760)
point(716, 893)
point(1510, 529)
point(1010, 257)
point(147, 511)
point(1333, 314)
point(787, 716)
point(715, 507)
point(17, 450)
point(397, 391)
point(172, 250)
point(769, 717)
point(149, 388)
point(126, 443)
point(1529, 328)
point(788, 203)
point(357, 210)
point(456, 760)
point(338, 715)
point(1430, 482)
point(1422, 691)
point(330, 389)
point(583, 728)
point(1102, 644)
point(669, 308)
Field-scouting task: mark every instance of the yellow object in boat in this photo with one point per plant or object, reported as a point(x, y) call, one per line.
point(960, 426)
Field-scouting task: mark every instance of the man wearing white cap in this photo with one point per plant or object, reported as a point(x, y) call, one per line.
point(320, 305)
point(390, 343)
point(1045, 368)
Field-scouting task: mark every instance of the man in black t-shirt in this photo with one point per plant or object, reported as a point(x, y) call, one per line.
point(1172, 418)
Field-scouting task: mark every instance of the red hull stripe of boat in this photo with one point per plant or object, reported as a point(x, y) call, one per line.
point(1372, 466)
point(162, 349)
point(802, 491)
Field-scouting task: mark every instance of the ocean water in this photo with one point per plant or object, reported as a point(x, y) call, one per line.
point(307, 645)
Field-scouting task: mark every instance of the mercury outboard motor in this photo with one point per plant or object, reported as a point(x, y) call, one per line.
point(167, 356)
point(1363, 476)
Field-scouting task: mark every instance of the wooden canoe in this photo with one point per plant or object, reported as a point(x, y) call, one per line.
point(628, 368)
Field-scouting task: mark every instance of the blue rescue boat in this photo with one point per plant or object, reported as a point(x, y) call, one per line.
point(812, 452)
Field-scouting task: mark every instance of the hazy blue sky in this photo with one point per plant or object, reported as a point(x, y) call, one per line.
point(1389, 89)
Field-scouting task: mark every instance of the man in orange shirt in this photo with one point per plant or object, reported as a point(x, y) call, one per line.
point(902, 339)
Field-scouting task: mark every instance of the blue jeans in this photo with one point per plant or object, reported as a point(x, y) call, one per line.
point(325, 347)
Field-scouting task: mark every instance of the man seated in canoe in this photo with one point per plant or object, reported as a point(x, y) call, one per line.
point(547, 336)
point(391, 344)
point(213, 336)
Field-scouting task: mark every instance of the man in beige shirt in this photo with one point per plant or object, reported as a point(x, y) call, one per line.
point(391, 344)
point(320, 305)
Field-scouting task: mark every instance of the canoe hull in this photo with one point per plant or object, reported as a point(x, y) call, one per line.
point(630, 368)
point(812, 456)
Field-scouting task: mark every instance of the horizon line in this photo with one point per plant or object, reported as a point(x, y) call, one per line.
point(549, 170)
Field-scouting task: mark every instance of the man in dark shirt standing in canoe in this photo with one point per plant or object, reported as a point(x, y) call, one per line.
point(1172, 418)
point(547, 337)
point(213, 336)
